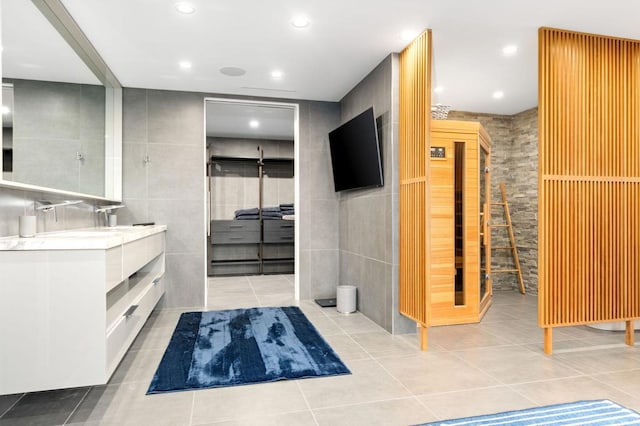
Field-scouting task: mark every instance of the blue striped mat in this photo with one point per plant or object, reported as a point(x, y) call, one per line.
point(600, 412)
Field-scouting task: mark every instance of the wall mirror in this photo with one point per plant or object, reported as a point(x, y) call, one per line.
point(61, 105)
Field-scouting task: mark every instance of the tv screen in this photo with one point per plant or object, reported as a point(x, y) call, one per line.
point(355, 153)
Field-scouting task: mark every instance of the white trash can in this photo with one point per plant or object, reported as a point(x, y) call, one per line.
point(346, 302)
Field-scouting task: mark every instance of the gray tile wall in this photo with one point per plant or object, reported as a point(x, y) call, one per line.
point(168, 127)
point(163, 182)
point(53, 122)
point(317, 215)
point(369, 217)
point(15, 203)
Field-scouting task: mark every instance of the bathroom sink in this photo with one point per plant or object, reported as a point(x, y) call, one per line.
point(85, 233)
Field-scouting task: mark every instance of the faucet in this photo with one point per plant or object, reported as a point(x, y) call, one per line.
point(106, 210)
point(47, 206)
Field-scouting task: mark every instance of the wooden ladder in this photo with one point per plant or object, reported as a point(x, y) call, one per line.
point(512, 246)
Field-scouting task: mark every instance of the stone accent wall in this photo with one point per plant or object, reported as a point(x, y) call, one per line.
point(514, 160)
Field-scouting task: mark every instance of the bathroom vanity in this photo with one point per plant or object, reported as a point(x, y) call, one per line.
point(72, 302)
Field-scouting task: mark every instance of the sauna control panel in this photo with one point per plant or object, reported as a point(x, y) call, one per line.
point(438, 152)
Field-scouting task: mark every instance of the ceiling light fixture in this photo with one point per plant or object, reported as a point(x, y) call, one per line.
point(254, 124)
point(408, 35)
point(510, 50)
point(438, 89)
point(185, 65)
point(277, 74)
point(498, 94)
point(300, 22)
point(185, 8)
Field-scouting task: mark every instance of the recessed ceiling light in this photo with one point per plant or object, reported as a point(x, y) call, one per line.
point(498, 94)
point(408, 35)
point(233, 71)
point(254, 124)
point(438, 89)
point(510, 50)
point(185, 65)
point(5, 109)
point(277, 74)
point(300, 22)
point(185, 7)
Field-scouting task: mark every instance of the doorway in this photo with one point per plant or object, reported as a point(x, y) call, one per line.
point(251, 189)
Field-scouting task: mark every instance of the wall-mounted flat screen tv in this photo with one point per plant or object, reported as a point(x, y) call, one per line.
point(355, 153)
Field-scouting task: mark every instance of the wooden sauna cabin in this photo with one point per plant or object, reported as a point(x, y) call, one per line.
point(456, 288)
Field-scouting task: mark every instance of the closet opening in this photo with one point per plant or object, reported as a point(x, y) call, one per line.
point(252, 189)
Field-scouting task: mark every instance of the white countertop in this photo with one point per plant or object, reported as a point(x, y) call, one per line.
point(81, 239)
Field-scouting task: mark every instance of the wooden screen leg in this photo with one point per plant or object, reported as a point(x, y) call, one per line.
point(548, 340)
point(629, 336)
point(424, 338)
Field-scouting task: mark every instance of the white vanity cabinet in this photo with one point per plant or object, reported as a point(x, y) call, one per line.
point(70, 306)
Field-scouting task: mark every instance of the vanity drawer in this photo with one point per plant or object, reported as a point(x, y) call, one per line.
point(124, 331)
point(235, 226)
point(138, 253)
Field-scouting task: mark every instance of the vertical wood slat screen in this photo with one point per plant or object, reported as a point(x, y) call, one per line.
point(415, 116)
point(589, 179)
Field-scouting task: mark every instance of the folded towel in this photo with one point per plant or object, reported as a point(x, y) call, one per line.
point(272, 215)
point(248, 217)
point(286, 205)
point(246, 212)
point(271, 209)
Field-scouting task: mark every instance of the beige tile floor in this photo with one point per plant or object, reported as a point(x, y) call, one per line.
point(493, 366)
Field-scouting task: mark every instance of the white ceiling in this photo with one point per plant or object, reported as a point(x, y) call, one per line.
point(143, 41)
point(32, 49)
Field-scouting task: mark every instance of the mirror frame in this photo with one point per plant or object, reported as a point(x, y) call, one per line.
point(58, 16)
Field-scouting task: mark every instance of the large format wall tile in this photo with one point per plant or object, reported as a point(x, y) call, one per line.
point(184, 280)
point(134, 170)
point(176, 172)
point(180, 219)
point(134, 116)
point(175, 117)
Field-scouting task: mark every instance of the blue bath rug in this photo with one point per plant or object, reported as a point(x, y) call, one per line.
point(243, 346)
point(599, 412)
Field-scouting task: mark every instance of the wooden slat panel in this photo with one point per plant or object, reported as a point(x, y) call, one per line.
point(415, 118)
point(589, 179)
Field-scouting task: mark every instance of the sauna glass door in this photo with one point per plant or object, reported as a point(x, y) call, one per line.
point(485, 217)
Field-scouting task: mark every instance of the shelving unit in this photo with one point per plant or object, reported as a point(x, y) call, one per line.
point(247, 247)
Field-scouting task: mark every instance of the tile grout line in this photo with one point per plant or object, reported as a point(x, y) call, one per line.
point(306, 401)
point(77, 405)
point(594, 377)
point(193, 404)
point(12, 405)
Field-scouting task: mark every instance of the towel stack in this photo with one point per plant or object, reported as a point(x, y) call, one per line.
point(275, 212)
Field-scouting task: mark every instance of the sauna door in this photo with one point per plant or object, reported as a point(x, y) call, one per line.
point(455, 228)
point(459, 184)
